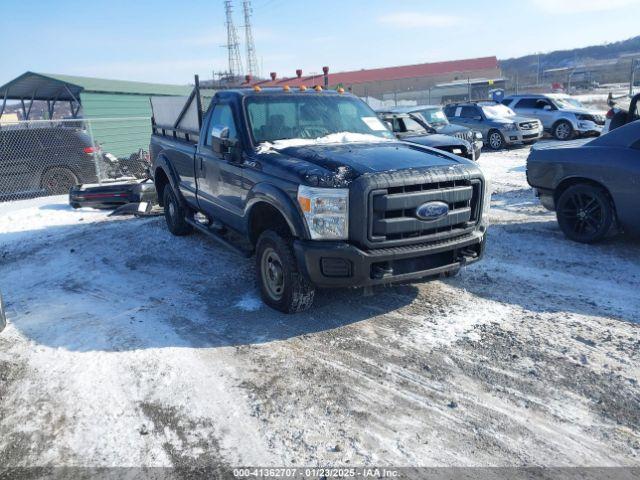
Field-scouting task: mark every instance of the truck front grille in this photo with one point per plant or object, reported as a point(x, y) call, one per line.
point(394, 219)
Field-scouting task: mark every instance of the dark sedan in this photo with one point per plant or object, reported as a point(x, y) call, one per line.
point(592, 186)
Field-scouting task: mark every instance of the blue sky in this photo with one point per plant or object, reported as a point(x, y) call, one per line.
point(168, 41)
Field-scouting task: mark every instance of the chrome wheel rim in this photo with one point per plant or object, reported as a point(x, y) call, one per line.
point(272, 274)
point(563, 131)
point(495, 140)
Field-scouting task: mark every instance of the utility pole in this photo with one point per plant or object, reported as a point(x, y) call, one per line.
point(233, 45)
point(635, 64)
point(252, 60)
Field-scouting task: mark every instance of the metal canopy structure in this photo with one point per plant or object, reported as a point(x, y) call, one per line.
point(53, 88)
point(31, 86)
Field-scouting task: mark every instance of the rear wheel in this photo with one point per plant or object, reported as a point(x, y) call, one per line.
point(585, 213)
point(282, 286)
point(58, 180)
point(496, 140)
point(563, 130)
point(175, 214)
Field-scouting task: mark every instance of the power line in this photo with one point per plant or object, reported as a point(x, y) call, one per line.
point(252, 60)
point(233, 45)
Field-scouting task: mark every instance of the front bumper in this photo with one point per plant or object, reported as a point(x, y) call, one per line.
point(523, 136)
point(585, 127)
point(338, 264)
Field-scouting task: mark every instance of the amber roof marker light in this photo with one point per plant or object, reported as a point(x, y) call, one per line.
point(257, 89)
point(303, 88)
point(340, 90)
point(317, 88)
point(286, 88)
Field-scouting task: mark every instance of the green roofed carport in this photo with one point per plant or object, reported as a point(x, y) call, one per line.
point(94, 98)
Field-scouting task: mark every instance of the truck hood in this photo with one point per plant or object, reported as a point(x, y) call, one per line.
point(339, 164)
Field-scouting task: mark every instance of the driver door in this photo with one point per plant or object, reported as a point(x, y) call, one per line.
point(545, 112)
point(221, 191)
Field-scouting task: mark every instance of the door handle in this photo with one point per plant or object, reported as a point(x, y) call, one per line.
point(201, 163)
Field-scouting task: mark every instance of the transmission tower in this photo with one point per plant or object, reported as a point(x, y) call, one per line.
point(233, 45)
point(252, 60)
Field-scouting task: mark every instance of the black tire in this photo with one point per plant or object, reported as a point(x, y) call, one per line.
point(563, 130)
point(495, 139)
point(282, 286)
point(585, 213)
point(175, 213)
point(58, 180)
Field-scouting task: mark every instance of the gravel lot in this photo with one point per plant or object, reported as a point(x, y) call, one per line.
point(121, 351)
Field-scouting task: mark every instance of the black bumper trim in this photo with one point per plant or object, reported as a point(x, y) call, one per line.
point(310, 253)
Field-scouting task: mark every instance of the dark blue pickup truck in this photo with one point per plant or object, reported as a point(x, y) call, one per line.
point(316, 186)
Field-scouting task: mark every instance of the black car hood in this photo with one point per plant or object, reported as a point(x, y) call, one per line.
point(450, 129)
point(339, 164)
point(436, 140)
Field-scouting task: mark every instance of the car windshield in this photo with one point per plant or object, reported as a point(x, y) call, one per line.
point(434, 116)
point(497, 111)
point(310, 116)
point(567, 102)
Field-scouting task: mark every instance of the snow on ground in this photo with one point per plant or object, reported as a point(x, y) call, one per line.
point(127, 346)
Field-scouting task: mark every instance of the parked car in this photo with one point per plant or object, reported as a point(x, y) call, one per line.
point(591, 185)
point(315, 185)
point(562, 116)
point(434, 116)
point(499, 124)
point(47, 160)
point(412, 128)
point(617, 117)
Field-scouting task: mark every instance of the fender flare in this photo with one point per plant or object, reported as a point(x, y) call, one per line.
point(278, 199)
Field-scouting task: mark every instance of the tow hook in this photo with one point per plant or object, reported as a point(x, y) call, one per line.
point(382, 271)
point(465, 255)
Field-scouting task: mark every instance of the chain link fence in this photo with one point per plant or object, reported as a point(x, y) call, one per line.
point(48, 157)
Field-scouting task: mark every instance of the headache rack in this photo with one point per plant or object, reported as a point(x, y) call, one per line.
point(178, 117)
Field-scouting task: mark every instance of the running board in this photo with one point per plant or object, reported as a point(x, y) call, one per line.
point(219, 238)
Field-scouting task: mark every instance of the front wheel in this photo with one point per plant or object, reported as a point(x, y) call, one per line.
point(563, 130)
point(585, 213)
point(282, 286)
point(496, 140)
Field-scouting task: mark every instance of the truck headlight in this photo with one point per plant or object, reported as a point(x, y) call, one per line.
point(326, 211)
point(509, 127)
point(478, 135)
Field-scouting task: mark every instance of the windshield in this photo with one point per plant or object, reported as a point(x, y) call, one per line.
point(309, 116)
point(497, 111)
point(567, 102)
point(434, 116)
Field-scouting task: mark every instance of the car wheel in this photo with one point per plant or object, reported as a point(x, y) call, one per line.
point(58, 180)
point(585, 213)
point(496, 140)
point(175, 214)
point(282, 286)
point(563, 130)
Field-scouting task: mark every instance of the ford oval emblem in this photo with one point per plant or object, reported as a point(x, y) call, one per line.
point(432, 211)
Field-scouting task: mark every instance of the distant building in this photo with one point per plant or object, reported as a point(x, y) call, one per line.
point(409, 81)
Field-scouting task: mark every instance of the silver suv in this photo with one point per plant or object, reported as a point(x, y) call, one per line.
point(499, 124)
point(561, 115)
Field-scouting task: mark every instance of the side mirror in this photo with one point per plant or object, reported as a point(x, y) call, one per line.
point(3, 318)
point(220, 139)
